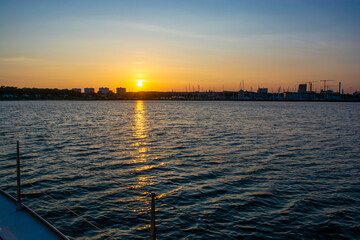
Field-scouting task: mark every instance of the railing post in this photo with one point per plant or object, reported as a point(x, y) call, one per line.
point(152, 218)
point(18, 205)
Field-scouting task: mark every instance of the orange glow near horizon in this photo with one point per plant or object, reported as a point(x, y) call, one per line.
point(155, 74)
point(161, 74)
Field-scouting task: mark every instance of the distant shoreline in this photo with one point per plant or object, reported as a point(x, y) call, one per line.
point(262, 94)
point(172, 100)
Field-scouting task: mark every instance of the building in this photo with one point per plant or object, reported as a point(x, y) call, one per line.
point(76, 90)
point(120, 91)
point(299, 96)
point(104, 90)
point(262, 93)
point(89, 90)
point(330, 95)
point(302, 88)
point(241, 94)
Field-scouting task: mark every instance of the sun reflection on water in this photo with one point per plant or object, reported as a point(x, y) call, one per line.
point(142, 181)
point(140, 133)
point(140, 121)
point(148, 167)
point(144, 164)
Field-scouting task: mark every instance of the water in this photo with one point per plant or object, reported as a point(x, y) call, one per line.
point(230, 170)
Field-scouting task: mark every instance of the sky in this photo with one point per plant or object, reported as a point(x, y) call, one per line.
point(179, 45)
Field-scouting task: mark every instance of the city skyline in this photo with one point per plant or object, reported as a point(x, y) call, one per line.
point(307, 87)
point(177, 45)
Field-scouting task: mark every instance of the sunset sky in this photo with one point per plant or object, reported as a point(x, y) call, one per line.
point(168, 44)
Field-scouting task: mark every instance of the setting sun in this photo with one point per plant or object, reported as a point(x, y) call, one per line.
point(139, 83)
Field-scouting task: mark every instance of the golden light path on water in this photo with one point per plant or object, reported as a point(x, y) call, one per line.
point(140, 133)
point(139, 120)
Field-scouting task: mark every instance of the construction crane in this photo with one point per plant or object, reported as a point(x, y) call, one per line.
point(325, 83)
point(310, 85)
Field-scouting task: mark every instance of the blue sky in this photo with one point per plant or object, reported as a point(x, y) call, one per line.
point(204, 42)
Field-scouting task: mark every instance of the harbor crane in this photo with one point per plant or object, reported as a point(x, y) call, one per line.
point(325, 83)
point(310, 85)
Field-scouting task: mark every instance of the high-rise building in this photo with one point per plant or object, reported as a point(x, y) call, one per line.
point(104, 90)
point(89, 90)
point(120, 91)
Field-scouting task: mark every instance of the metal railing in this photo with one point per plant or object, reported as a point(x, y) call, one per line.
point(18, 205)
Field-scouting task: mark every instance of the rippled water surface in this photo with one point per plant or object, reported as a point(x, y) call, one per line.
point(221, 170)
